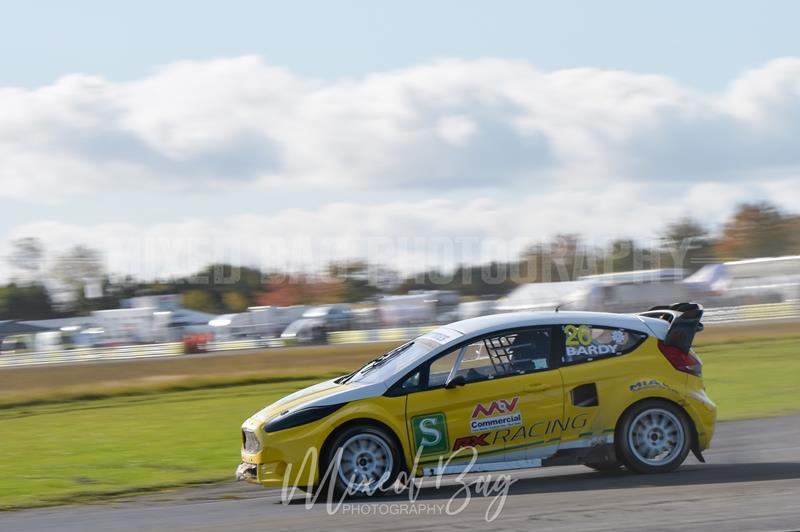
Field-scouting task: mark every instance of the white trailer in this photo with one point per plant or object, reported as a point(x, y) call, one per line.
point(132, 325)
point(256, 322)
point(418, 308)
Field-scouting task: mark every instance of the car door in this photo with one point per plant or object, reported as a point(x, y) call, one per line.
point(594, 371)
point(542, 397)
point(506, 385)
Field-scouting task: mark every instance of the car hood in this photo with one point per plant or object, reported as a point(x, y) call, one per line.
point(322, 394)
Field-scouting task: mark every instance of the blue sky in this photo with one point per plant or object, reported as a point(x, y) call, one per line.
point(702, 43)
point(214, 124)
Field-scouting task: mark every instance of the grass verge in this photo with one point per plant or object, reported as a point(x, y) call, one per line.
point(81, 450)
point(753, 378)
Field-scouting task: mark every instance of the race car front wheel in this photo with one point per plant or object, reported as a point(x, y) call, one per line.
point(363, 461)
point(653, 437)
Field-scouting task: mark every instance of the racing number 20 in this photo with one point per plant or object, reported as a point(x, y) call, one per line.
point(578, 335)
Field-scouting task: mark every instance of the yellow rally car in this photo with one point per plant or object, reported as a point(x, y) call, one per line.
point(498, 392)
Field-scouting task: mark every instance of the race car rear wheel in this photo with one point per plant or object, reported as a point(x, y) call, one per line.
point(653, 436)
point(364, 461)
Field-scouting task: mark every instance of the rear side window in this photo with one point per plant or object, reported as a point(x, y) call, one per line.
point(584, 343)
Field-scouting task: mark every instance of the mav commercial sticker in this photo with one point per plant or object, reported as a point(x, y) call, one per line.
point(498, 414)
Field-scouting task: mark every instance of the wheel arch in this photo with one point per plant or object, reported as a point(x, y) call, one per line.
point(361, 422)
point(693, 442)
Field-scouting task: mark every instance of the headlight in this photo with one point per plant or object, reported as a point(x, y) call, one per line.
point(250, 441)
point(301, 417)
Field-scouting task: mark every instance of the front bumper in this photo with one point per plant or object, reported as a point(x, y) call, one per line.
point(248, 472)
point(275, 474)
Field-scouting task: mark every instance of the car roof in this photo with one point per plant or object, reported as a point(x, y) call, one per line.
point(484, 324)
point(452, 334)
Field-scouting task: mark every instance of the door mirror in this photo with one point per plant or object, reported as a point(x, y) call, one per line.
point(456, 381)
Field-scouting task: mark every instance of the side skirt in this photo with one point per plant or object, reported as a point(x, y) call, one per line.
point(570, 453)
point(485, 467)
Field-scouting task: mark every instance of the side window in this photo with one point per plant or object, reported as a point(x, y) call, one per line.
point(511, 353)
point(411, 383)
point(584, 343)
point(440, 369)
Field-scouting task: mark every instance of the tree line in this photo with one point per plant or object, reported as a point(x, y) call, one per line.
point(77, 283)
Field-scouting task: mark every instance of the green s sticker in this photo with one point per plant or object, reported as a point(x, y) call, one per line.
point(430, 433)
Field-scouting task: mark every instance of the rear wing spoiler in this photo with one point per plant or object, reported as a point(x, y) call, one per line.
point(684, 320)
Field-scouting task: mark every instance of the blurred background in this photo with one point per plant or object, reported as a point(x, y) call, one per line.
point(208, 205)
point(749, 269)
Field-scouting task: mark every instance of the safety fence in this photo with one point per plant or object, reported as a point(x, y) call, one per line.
point(234, 345)
point(787, 310)
point(377, 335)
point(246, 343)
point(86, 354)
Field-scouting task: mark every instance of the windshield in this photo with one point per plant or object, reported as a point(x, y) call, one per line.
point(402, 358)
point(395, 361)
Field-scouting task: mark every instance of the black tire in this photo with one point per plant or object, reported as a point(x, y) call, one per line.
point(388, 449)
point(604, 466)
point(648, 426)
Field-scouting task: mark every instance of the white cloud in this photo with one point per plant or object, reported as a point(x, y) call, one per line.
point(409, 235)
point(434, 126)
point(602, 153)
point(457, 129)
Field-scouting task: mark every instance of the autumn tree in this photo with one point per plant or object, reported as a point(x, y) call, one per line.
point(79, 274)
point(755, 230)
point(687, 244)
point(235, 301)
point(355, 278)
point(493, 279)
point(26, 257)
point(301, 289)
point(225, 288)
point(794, 232)
point(197, 299)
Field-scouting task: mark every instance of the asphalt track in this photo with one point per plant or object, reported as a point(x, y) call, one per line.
point(750, 482)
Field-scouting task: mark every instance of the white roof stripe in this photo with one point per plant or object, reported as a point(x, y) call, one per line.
point(492, 322)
